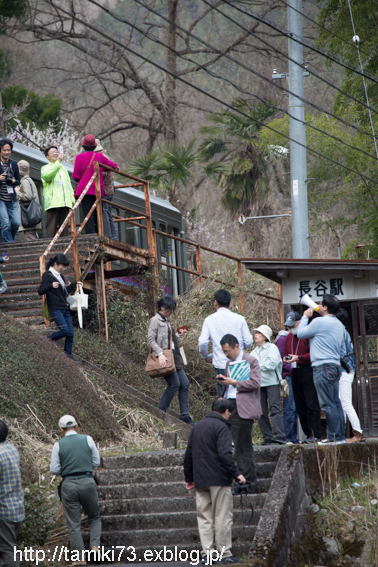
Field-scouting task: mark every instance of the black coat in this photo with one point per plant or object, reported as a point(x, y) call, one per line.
point(55, 296)
point(16, 175)
point(208, 458)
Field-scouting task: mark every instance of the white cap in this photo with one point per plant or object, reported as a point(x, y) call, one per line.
point(264, 330)
point(67, 421)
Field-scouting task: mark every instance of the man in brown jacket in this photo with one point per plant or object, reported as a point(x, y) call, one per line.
point(244, 393)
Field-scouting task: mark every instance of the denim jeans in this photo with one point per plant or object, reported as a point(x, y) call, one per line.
point(9, 220)
point(326, 380)
point(290, 415)
point(177, 381)
point(219, 386)
point(64, 322)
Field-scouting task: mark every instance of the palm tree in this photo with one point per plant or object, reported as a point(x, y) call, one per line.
point(242, 169)
point(166, 168)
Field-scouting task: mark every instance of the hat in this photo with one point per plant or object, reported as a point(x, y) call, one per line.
point(99, 147)
point(24, 167)
point(264, 330)
point(67, 421)
point(291, 318)
point(89, 140)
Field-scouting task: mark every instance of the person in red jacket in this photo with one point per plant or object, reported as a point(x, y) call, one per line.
point(297, 353)
point(82, 173)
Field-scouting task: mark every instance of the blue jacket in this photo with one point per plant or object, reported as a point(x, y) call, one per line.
point(16, 175)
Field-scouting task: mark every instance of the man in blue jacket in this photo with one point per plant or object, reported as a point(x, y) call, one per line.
point(210, 469)
point(327, 348)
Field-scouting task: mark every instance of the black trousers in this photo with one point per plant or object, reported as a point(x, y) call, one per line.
point(87, 203)
point(54, 220)
point(241, 431)
point(306, 400)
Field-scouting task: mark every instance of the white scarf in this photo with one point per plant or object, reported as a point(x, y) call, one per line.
point(58, 276)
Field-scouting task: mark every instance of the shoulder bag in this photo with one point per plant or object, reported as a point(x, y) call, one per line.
point(153, 368)
point(30, 214)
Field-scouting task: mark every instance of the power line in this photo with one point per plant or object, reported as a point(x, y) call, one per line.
point(288, 35)
point(345, 122)
point(23, 135)
point(356, 40)
point(320, 25)
point(156, 40)
point(213, 97)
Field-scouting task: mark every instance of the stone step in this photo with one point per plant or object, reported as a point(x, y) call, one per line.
point(17, 280)
point(156, 490)
point(12, 296)
point(159, 505)
point(176, 458)
point(162, 474)
point(34, 255)
point(22, 307)
point(171, 537)
point(168, 521)
point(44, 242)
point(27, 313)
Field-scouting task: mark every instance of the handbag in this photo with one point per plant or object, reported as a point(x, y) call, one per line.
point(284, 388)
point(153, 368)
point(30, 214)
point(79, 297)
point(46, 312)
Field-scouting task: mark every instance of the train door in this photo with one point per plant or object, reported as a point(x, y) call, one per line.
point(174, 256)
point(163, 254)
point(365, 341)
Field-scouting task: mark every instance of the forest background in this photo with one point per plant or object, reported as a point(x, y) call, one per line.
point(181, 92)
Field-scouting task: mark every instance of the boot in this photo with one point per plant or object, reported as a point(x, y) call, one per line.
point(357, 437)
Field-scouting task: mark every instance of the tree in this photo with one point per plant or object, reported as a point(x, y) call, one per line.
point(335, 16)
point(41, 110)
point(167, 169)
point(341, 195)
point(117, 91)
point(242, 169)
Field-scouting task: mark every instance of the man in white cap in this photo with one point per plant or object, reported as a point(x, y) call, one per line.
point(270, 362)
point(74, 457)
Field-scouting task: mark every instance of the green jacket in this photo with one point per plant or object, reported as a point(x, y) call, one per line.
point(57, 188)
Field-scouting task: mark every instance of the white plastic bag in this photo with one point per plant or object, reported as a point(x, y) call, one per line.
point(80, 302)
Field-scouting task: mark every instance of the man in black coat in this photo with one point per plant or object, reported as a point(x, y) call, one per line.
point(210, 469)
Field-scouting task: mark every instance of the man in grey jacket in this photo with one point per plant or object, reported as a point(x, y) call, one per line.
point(244, 394)
point(74, 457)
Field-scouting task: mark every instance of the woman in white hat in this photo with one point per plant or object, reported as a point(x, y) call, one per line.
point(270, 362)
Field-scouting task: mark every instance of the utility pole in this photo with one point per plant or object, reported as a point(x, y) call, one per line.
point(298, 164)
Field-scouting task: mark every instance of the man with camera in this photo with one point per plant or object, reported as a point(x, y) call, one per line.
point(327, 348)
point(210, 469)
point(9, 179)
point(244, 394)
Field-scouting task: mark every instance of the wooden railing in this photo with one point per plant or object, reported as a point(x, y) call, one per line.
point(151, 241)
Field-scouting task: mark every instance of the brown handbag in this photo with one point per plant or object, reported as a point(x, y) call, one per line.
point(153, 368)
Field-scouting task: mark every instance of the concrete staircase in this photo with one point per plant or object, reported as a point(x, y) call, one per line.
point(144, 502)
point(22, 274)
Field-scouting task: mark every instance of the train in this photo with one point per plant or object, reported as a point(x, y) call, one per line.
point(165, 218)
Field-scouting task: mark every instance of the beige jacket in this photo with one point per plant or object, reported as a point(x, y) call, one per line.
point(28, 191)
point(159, 334)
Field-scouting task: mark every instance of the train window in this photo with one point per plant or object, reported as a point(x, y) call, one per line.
point(132, 234)
point(163, 241)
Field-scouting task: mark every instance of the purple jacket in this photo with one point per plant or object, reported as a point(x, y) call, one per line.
point(81, 162)
point(248, 402)
point(280, 344)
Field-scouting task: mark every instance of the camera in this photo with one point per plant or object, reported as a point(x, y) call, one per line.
point(9, 178)
point(242, 488)
point(288, 357)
